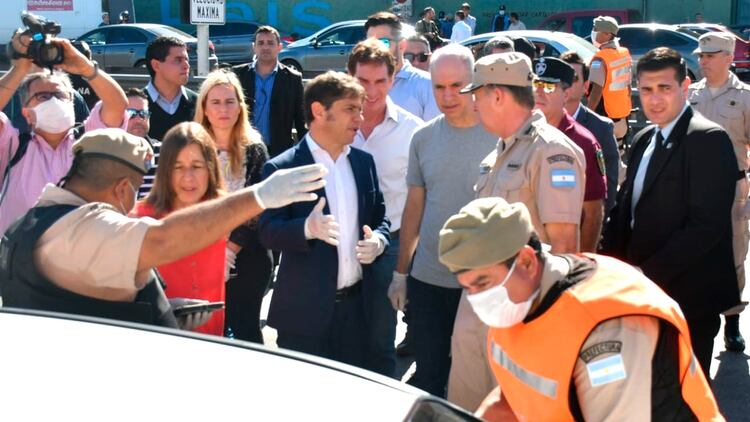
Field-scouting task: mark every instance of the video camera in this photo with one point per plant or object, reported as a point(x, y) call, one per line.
point(41, 51)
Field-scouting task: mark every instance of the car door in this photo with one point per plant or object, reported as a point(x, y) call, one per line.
point(97, 41)
point(125, 47)
point(331, 49)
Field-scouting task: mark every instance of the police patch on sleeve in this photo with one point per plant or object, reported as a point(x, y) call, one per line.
point(599, 349)
point(563, 178)
point(606, 371)
point(552, 159)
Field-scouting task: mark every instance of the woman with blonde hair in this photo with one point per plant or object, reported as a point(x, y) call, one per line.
point(188, 173)
point(221, 109)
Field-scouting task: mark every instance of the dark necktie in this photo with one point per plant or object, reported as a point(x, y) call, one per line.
point(658, 157)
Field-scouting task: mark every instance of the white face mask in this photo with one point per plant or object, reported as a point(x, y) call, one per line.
point(494, 307)
point(54, 116)
point(135, 196)
point(593, 39)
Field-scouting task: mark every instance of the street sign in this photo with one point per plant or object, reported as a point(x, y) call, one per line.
point(208, 12)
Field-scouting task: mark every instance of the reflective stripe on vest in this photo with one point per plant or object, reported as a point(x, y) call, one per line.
point(542, 385)
point(533, 361)
point(615, 92)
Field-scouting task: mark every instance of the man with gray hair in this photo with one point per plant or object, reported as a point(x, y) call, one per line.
point(28, 161)
point(443, 156)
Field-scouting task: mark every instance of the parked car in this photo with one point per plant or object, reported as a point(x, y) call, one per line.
point(548, 43)
point(122, 48)
point(233, 41)
point(64, 367)
point(580, 22)
point(328, 49)
point(741, 61)
point(640, 38)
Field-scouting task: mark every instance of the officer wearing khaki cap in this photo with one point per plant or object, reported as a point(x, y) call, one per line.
point(572, 337)
point(534, 163)
point(722, 97)
point(610, 75)
point(77, 251)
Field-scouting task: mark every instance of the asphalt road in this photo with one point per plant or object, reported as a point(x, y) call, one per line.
point(730, 372)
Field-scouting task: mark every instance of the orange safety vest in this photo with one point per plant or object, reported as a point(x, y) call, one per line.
point(616, 92)
point(537, 386)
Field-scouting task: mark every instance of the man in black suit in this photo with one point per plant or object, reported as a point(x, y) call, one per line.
point(602, 127)
point(273, 92)
point(672, 218)
point(317, 305)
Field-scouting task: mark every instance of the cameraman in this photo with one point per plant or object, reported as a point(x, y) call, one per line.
point(30, 161)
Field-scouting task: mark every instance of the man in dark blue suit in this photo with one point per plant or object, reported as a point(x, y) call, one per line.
point(602, 127)
point(317, 305)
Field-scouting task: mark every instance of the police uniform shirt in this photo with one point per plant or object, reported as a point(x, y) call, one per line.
point(631, 338)
point(729, 107)
point(93, 250)
point(540, 167)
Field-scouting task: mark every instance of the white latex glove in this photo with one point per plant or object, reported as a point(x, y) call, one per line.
point(229, 262)
point(287, 186)
point(397, 291)
point(323, 227)
point(190, 322)
point(369, 248)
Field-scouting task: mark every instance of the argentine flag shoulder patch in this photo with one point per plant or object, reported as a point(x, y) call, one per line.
point(607, 370)
point(563, 178)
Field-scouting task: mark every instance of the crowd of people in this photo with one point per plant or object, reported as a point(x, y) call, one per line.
point(484, 194)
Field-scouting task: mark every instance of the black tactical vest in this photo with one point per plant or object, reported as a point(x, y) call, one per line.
point(22, 286)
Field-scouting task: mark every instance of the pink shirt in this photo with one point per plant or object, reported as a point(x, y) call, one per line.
point(40, 165)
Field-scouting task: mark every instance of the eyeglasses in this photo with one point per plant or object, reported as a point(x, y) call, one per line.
point(421, 57)
point(143, 114)
point(387, 41)
point(548, 87)
point(43, 96)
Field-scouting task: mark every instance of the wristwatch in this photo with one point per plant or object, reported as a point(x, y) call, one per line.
point(96, 72)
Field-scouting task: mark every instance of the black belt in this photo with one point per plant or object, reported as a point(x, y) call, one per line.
point(741, 174)
point(394, 235)
point(346, 292)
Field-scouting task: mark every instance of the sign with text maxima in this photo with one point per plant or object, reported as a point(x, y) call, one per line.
point(211, 12)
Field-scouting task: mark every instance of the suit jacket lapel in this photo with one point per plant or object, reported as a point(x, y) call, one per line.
point(303, 157)
point(361, 178)
point(672, 143)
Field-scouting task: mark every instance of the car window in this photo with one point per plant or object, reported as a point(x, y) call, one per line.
point(343, 36)
point(96, 38)
point(546, 49)
point(635, 38)
point(664, 38)
point(125, 36)
point(241, 28)
point(582, 25)
point(555, 25)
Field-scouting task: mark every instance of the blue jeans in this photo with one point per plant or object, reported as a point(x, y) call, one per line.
point(432, 312)
point(379, 313)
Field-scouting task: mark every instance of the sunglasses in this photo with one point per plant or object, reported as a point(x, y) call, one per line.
point(47, 95)
point(421, 57)
point(143, 114)
point(548, 87)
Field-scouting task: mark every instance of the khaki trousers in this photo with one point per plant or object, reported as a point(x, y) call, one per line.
point(740, 237)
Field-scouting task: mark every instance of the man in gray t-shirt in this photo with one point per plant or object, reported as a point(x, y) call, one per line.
point(443, 161)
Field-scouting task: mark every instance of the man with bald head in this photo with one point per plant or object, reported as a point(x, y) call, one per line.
point(443, 156)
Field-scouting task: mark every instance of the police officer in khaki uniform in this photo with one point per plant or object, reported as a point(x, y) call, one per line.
point(77, 251)
point(572, 337)
point(723, 98)
point(534, 163)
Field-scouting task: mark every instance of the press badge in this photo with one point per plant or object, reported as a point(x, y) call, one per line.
point(606, 370)
point(563, 178)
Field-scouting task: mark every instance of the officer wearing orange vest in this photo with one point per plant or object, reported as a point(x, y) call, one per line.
point(572, 337)
point(610, 75)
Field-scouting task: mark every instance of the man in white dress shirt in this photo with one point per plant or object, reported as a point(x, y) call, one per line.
point(461, 30)
point(386, 134)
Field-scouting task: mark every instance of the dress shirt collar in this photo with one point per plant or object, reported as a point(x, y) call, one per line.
point(406, 69)
point(667, 130)
point(316, 149)
point(275, 68)
point(578, 111)
point(154, 93)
